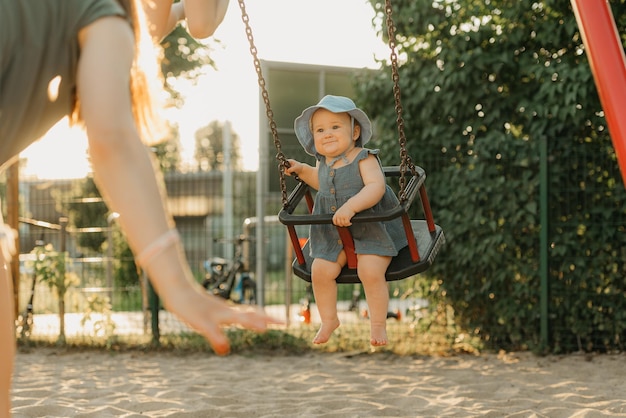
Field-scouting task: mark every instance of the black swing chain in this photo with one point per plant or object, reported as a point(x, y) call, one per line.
point(405, 159)
point(280, 156)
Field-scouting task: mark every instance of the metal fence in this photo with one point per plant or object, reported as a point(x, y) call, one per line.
point(106, 299)
point(109, 297)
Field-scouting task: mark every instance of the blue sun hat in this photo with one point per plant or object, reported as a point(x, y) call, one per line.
point(335, 104)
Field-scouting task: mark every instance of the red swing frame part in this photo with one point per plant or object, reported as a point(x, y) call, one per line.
point(604, 50)
point(424, 236)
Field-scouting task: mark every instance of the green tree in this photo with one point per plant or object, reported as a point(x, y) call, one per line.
point(184, 56)
point(89, 215)
point(209, 151)
point(484, 84)
point(86, 209)
point(167, 152)
point(50, 267)
point(125, 270)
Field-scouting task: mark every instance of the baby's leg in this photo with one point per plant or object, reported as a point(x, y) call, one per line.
point(323, 275)
point(371, 270)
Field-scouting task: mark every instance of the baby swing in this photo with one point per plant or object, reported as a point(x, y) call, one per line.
point(423, 235)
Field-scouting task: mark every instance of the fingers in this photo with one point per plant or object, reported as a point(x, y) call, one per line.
point(293, 167)
point(216, 338)
point(343, 217)
point(255, 320)
point(211, 326)
point(341, 221)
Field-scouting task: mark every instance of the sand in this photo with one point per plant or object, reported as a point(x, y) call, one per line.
point(58, 383)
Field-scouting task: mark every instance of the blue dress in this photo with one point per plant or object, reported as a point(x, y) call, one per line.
point(338, 185)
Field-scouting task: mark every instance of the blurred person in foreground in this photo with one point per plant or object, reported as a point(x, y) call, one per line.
point(94, 61)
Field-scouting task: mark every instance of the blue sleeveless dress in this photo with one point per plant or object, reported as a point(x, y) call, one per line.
point(336, 186)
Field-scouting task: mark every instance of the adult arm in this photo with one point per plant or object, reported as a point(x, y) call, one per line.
point(162, 16)
point(203, 16)
point(125, 175)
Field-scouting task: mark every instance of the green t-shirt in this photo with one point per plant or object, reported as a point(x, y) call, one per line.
point(38, 44)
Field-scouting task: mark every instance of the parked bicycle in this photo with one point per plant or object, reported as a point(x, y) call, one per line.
point(355, 303)
point(230, 279)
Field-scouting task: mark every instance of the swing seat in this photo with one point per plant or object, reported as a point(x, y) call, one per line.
point(424, 237)
point(401, 267)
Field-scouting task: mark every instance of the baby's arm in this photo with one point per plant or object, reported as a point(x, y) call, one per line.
point(371, 193)
point(306, 173)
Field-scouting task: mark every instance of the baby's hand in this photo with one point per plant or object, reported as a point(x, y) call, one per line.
point(295, 167)
point(343, 216)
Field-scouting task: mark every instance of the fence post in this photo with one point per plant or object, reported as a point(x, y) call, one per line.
point(109, 263)
point(153, 299)
point(63, 248)
point(543, 242)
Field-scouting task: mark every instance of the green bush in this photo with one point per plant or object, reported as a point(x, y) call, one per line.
point(484, 86)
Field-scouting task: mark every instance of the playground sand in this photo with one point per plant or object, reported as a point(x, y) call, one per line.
point(58, 383)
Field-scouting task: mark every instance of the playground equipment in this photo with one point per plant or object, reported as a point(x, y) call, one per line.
point(424, 237)
point(604, 49)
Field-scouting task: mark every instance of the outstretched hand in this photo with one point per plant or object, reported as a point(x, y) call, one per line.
point(208, 314)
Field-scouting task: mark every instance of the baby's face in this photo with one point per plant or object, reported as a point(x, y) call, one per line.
point(333, 133)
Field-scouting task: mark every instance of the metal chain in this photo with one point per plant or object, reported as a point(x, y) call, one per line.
point(405, 159)
point(280, 156)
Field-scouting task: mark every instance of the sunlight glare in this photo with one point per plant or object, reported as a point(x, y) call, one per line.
point(317, 32)
point(335, 33)
point(53, 88)
point(60, 154)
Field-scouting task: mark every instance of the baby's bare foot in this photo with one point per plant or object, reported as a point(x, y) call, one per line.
point(378, 334)
point(325, 331)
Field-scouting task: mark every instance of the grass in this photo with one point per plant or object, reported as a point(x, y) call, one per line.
point(434, 334)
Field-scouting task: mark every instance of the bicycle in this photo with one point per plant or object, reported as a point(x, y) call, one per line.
point(305, 306)
point(355, 304)
point(231, 280)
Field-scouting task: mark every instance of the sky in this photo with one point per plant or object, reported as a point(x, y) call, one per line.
point(319, 32)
